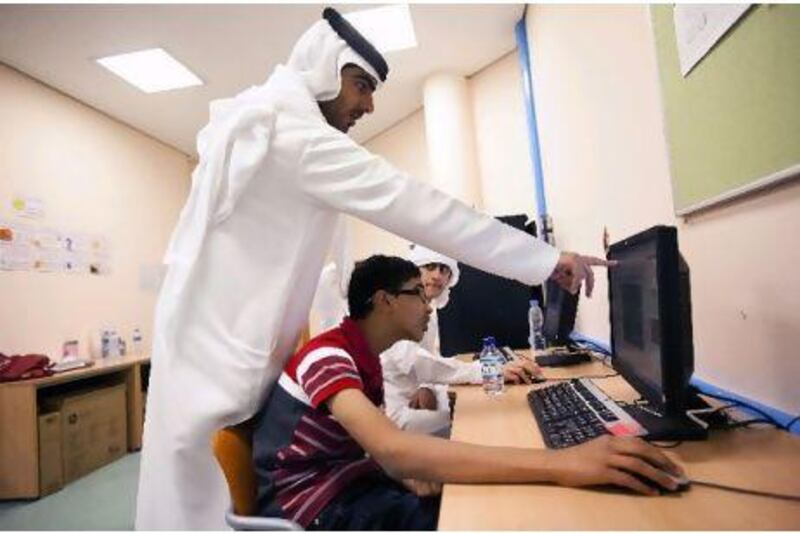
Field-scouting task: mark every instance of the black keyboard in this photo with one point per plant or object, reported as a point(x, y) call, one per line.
point(576, 411)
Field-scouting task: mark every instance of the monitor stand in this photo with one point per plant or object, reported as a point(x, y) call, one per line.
point(663, 427)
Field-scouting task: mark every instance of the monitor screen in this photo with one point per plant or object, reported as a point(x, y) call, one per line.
point(559, 314)
point(651, 333)
point(636, 327)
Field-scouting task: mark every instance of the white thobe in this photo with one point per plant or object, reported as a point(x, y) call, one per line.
point(407, 366)
point(237, 292)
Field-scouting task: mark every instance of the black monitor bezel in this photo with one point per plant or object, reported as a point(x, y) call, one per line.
point(669, 399)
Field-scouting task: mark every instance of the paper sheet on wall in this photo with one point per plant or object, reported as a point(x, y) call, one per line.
point(28, 206)
point(17, 257)
point(47, 260)
point(698, 27)
point(27, 247)
point(16, 252)
point(76, 263)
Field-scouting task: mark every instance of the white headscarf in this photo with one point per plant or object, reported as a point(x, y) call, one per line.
point(318, 57)
point(421, 256)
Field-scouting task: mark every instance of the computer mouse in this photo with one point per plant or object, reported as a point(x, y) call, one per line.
point(682, 481)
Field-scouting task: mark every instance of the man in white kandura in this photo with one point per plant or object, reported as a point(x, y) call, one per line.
point(275, 171)
point(415, 375)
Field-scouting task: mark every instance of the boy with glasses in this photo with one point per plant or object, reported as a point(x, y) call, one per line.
point(329, 459)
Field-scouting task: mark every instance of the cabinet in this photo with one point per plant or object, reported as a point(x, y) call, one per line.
point(20, 407)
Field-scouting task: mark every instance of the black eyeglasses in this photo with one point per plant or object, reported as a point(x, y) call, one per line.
point(419, 291)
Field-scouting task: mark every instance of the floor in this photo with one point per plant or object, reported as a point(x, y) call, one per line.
point(102, 500)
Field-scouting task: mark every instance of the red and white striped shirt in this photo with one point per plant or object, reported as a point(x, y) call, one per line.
point(303, 456)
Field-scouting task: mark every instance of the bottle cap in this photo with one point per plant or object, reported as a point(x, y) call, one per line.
point(534, 301)
point(488, 340)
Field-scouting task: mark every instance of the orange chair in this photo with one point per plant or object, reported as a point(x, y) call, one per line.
point(234, 452)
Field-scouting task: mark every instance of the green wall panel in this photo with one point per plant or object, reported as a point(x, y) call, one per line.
point(735, 119)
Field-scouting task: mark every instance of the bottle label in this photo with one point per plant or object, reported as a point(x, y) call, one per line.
point(492, 372)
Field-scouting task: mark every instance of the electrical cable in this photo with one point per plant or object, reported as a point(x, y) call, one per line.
point(612, 375)
point(746, 423)
point(585, 343)
point(699, 416)
point(742, 490)
point(745, 405)
point(604, 360)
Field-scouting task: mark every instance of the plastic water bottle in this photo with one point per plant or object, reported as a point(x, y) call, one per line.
point(105, 343)
point(136, 341)
point(535, 325)
point(492, 368)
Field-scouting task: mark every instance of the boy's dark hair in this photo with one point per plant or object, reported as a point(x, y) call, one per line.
point(377, 272)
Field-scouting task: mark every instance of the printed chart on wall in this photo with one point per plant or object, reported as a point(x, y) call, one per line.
point(730, 84)
point(31, 247)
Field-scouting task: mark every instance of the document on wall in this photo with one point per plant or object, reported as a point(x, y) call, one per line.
point(698, 27)
point(30, 247)
point(27, 206)
point(16, 252)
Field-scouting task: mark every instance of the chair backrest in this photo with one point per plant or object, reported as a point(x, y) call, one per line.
point(233, 448)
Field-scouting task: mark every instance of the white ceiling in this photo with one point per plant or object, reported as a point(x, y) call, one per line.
point(230, 47)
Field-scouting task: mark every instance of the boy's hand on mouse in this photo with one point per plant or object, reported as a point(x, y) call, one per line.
point(612, 460)
point(520, 370)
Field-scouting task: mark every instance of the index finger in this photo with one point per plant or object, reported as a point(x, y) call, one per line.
point(589, 281)
point(596, 261)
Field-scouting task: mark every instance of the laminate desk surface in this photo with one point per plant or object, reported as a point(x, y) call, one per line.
point(756, 458)
point(98, 367)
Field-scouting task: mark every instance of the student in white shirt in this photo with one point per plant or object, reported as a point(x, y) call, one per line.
point(415, 375)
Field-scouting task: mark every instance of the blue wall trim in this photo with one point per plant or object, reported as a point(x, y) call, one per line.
point(530, 110)
point(781, 417)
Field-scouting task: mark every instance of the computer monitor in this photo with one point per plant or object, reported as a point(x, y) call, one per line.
point(483, 304)
point(559, 314)
point(651, 329)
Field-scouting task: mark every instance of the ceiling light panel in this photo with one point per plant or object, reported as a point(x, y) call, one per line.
point(151, 71)
point(387, 28)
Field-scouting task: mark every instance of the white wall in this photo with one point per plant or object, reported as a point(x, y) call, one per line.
point(605, 162)
point(600, 131)
point(450, 133)
point(500, 130)
point(501, 133)
point(95, 175)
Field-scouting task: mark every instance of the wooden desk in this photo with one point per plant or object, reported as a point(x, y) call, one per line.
point(19, 409)
point(757, 458)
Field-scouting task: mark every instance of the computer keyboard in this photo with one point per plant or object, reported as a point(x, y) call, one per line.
point(575, 411)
